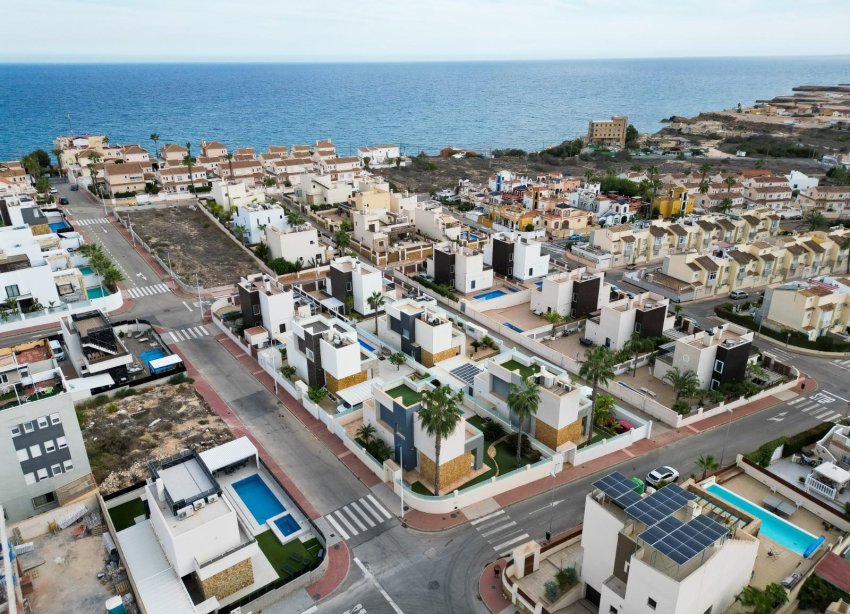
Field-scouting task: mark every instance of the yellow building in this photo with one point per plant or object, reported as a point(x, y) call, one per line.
point(514, 217)
point(370, 200)
point(608, 132)
point(675, 202)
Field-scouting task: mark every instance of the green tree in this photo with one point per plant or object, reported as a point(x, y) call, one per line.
point(604, 409)
point(154, 137)
point(57, 153)
point(110, 277)
point(398, 359)
point(94, 160)
point(42, 185)
point(704, 169)
point(598, 369)
point(294, 219)
point(229, 157)
point(704, 187)
point(632, 135)
point(523, 401)
point(553, 317)
point(759, 601)
point(262, 250)
point(814, 220)
point(288, 371)
point(725, 205)
point(366, 161)
point(439, 415)
point(707, 463)
point(685, 383)
point(760, 163)
point(730, 181)
point(341, 239)
point(366, 432)
point(638, 345)
point(188, 160)
point(316, 394)
point(376, 300)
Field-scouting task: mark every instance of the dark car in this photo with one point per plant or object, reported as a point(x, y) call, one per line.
point(74, 188)
point(585, 341)
point(63, 201)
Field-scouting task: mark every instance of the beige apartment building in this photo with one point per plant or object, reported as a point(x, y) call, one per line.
point(127, 177)
point(608, 132)
point(815, 307)
point(826, 198)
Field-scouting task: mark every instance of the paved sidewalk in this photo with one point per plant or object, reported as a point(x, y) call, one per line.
point(490, 588)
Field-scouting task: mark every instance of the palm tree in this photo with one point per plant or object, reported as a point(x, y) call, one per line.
point(366, 432)
point(298, 265)
point(288, 371)
point(760, 163)
point(814, 220)
point(706, 463)
point(111, 276)
point(376, 300)
point(229, 157)
point(439, 415)
point(523, 401)
point(730, 181)
point(155, 138)
point(685, 383)
point(704, 169)
point(638, 345)
point(590, 176)
point(725, 205)
point(844, 246)
point(703, 187)
point(398, 359)
point(553, 317)
point(604, 409)
point(94, 159)
point(294, 219)
point(105, 140)
point(188, 160)
point(57, 153)
point(598, 369)
point(341, 239)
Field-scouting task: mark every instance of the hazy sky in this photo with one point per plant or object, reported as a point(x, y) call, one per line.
point(393, 30)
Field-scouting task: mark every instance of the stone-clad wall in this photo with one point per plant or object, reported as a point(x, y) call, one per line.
point(450, 472)
point(335, 385)
point(229, 581)
point(552, 437)
point(429, 360)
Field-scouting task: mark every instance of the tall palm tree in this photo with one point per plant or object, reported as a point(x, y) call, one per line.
point(703, 187)
point(188, 160)
point(730, 181)
point(725, 205)
point(523, 401)
point(638, 345)
point(94, 159)
point(598, 369)
point(376, 300)
point(57, 153)
point(706, 463)
point(294, 219)
point(366, 432)
point(704, 169)
point(685, 383)
point(155, 138)
point(589, 175)
point(814, 220)
point(439, 415)
point(229, 157)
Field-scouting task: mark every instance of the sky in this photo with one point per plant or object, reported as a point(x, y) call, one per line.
point(416, 30)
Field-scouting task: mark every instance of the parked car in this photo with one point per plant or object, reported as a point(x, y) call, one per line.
point(576, 237)
point(737, 295)
point(662, 475)
point(75, 187)
point(63, 201)
point(585, 341)
point(54, 191)
point(56, 348)
point(791, 581)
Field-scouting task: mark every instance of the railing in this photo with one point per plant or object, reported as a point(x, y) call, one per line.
point(812, 484)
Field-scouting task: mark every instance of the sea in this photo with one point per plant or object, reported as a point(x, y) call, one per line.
point(421, 106)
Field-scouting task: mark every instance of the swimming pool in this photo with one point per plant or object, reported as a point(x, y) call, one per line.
point(286, 525)
point(95, 292)
point(491, 294)
point(365, 345)
point(772, 526)
point(512, 327)
point(86, 270)
point(539, 284)
point(258, 498)
point(470, 236)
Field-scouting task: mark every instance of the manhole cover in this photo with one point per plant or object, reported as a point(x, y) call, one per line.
point(433, 585)
point(453, 514)
point(430, 553)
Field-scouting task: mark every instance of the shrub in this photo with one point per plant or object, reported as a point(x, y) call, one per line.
point(816, 594)
point(438, 288)
point(493, 430)
point(180, 378)
point(681, 407)
point(825, 343)
point(552, 590)
point(123, 394)
point(795, 443)
point(567, 578)
point(763, 454)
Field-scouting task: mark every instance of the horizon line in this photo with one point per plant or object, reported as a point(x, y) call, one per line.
point(137, 61)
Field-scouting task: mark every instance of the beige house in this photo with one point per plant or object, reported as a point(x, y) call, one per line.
point(563, 220)
point(608, 132)
point(213, 149)
point(815, 307)
point(127, 177)
point(134, 153)
point(176, 179)
point(249, 172)
point(173, 154)
point(826, 198)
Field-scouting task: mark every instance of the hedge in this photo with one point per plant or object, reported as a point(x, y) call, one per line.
point(824, 343)
point(793, 444)
point(816, 594)
point(438, 288)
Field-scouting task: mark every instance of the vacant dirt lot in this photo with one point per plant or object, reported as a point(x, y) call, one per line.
point(123, 435)
point(194, 244)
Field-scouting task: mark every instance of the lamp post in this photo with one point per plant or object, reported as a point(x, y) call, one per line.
point(130, 224)
point(552, 505)
point(725, 438)
point(200, 304)
point(399, 447)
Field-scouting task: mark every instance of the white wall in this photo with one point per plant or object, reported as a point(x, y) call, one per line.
point(292, 245)
point(450, 447)
point(469, 269)
point(36, 280)
point(433, 339)
point(599, 543)
point(342, 361)
point(251, 218)
point(615, 325)
point(277, 310)
point(364, 282)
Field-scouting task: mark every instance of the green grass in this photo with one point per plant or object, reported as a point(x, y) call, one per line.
point(278, 554)
point(524, 371)
point(123, 515)
point(506, 458)
point(408, 395)
point(477, 421)
point(598, 435)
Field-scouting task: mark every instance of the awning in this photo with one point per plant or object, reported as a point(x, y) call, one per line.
point(332, 304)
point(165, 361)
point(354, 395)
point(229, 453)
point(89, 383)
point(833, 472)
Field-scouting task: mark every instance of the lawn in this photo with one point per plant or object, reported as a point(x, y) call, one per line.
point(598, 435)
point(408, 395)
point(124, 515)
point(477, 421)
point(524, 371)
point(278, 554)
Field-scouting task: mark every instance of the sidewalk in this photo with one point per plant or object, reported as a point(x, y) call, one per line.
point(338, 555)
point(490, 588)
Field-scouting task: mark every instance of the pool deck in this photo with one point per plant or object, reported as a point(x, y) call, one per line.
point(775, 562)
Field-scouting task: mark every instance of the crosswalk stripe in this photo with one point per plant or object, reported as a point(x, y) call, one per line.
point(354, 505)
point(369, 509)
point(161, 287)
point(379, 506)
point(338, 528)
point(173, 336)
point(202, 332)
point(191, 332)
point(797, 400)
point(809, 408)
point(350, 513)
point(510, 541)
point(487, 517)
point(499, 528)
point(344, 520)
point(830, 417)
point(826, 413)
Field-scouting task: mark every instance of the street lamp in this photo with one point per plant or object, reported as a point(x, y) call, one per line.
point(552, 505)
point(400, 449)
point(200, 304)
point(726, 437)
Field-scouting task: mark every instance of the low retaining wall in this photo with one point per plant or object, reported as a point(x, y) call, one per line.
point(108, 303)
point(609, 446)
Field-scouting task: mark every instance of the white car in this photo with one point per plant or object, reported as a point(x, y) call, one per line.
point(664, 475)
point(54, 191)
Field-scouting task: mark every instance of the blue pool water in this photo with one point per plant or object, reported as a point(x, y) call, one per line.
point(59, 226)
point(86, 270)
point(772, 526)
point(95, 292)
point(470, 236)
point(539, 284)
point(512, 327)
point(365, 345)
point(491, 294)
point(287, 525)
point(258, 498)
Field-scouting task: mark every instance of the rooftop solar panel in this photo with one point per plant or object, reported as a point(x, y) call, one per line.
point(466, 373)
point(615, 485)
point(689, 540)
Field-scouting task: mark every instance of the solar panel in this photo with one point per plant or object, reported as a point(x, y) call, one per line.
point(466, 373)
point(627, 499)
point(656, 533)
point(617, 486)
point(660, 504)
point(689, 540)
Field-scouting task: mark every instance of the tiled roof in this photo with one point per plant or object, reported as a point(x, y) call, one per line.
point(707, 263)
point(657, 231)
point(835, 570)
point(815, 247)
point(795, 249)
point(726, 224)
point(741, 257)
point(677, 229)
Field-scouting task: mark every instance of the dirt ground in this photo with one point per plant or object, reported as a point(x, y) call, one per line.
point(123, 435)
point(67, 581)
point(194, 244)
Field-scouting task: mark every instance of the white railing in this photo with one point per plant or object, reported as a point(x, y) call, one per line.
point(820, 488)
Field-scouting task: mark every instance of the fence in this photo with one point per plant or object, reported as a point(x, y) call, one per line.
point(16, 321)
point(609, 446)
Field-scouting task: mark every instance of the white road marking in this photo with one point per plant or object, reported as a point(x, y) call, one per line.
point(173, 337)
point(797, 400)
point(372, 579)
point(379, 506)
point(353, 517)
point(504, 545)
point(487, 517)
point(354, 505)
point(186, 306)
point(338, 528)
point(341, 517)
point(499, 529)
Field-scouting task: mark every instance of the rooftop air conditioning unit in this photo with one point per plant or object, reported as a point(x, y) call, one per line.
point(649, 305)
point(212, 498)
point(184, 513)
point(548, 380)
point(200, 503)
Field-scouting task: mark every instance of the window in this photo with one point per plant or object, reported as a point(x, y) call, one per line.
point(35, 451)
point(68, 465)
point(637, 327)
point(55, 419)
point(41, 474)
point(61, 443)
point(612, 610)
point(55, 469)
point(16, 430)
point(256, 309)
point(472, 285)
point(12, 291)
point(45, 499)
point(29, 478)
point(718, 366)
point(348, 287)
point(651, 603)
point(42, 422)
point(22, 455)
point(28, 427)
point(310, 355)
point(708, 610)
point(49, 446)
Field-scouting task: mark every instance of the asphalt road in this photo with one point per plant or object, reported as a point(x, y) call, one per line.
point(404, 570)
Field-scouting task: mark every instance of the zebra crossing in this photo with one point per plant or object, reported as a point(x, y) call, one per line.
point(142, 291)
point(780, 354)
point(500, 531)
point(842, 364)
point(91, 221)
point(358, 517)
point(187, 334)
point(815, 406)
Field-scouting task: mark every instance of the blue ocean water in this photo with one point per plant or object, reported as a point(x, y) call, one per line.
point(419, 105)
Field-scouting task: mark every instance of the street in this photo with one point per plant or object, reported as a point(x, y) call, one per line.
point(396, 569)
